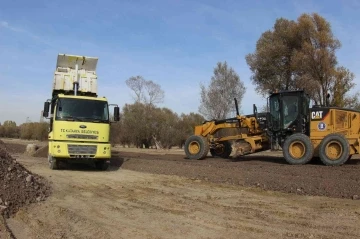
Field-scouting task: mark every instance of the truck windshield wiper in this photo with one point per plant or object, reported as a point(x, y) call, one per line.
point(94, 120)
point(72, 118)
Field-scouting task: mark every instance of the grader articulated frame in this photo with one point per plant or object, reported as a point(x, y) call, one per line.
point(329, 133)
point(246, 136)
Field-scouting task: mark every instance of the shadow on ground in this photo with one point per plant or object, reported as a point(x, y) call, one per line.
point(115, 163)
point(281, 160)
point(270, 159)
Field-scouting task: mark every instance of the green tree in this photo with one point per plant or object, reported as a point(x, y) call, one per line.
point(316, 61)
point(138, 124)
point(271, 63)
point(187, 123)
point(10, 130)
point(165, 128)
point(34, 131)
point(341, 84)
point(217, 100)
point(301, 55)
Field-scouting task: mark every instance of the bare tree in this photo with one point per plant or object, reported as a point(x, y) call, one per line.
point(154, 92)
point(137, 84)
point(146, 91)
point(217, 101)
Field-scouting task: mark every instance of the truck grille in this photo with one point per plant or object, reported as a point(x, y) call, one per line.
point(82, 149)
point(81, 136)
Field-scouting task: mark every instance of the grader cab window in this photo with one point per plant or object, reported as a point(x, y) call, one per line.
point(284, 110)
point(290, 109)
point(275, 111)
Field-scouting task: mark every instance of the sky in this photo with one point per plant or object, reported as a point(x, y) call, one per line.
point(175, 43)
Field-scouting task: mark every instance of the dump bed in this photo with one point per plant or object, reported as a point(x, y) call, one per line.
point(73, 68)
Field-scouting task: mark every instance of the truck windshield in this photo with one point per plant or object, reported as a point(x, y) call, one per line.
point(82, 110)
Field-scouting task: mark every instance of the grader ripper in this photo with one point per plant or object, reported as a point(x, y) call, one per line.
point(329, 133)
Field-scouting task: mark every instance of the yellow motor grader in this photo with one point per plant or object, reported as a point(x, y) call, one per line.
point(330, 133)
point(247, 133)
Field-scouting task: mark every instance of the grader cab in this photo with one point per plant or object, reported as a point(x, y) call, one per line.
point(330, 133)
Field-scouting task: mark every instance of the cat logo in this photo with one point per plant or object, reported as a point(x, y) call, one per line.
point(317, 115)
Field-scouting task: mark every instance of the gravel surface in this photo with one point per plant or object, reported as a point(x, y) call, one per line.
point(42, 152)
point(15, 148)
point(18, 185)
point(266, 172)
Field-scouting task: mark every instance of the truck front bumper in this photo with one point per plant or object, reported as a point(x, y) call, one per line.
point(75, 150)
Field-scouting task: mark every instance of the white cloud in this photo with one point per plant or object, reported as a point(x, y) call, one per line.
point(6, 25)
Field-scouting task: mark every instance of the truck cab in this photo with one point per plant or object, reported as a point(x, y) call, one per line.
point(79, 119)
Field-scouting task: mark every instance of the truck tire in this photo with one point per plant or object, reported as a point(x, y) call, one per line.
point(224, 152)
point(101, 165)
point(53, 163)
point(196, 147)
point(334, 150)
point(298, 149)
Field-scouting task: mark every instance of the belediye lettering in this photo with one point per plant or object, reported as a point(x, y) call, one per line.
point(83, 131)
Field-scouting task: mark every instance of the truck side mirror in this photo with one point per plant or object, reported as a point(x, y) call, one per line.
point(46, 109)
point(116, 113)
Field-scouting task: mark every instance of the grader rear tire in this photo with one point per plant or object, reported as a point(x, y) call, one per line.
point(298, 149)
point(334, 150)
point(196, 147)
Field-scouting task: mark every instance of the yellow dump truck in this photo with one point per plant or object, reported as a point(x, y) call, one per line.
point(79, 120)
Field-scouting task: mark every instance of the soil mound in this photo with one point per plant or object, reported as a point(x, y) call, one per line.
point(14, 148)
point(2, 145)
point(41, 152)
point(31, 149)
point(19, 186)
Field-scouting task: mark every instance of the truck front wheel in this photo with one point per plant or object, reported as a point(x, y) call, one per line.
point(53, 163)
point(101, 165)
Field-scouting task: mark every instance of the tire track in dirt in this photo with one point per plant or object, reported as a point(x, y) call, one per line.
point(261, 171)
point(123, 203)
point(269, 173)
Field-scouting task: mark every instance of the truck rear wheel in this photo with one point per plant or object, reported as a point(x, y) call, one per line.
point(334, 150)
point(196, 147)
point(298, 149)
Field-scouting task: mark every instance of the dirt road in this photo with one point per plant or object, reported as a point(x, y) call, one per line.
point(123, 203)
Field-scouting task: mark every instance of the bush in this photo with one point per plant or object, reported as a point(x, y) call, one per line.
point(34, 131)
point(29, 131)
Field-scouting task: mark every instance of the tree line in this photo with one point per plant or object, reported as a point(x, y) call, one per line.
point(28, 131)
point(293, 55)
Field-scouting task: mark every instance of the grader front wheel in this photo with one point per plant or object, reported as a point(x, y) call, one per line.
point(196, 147)
point(298, 149)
